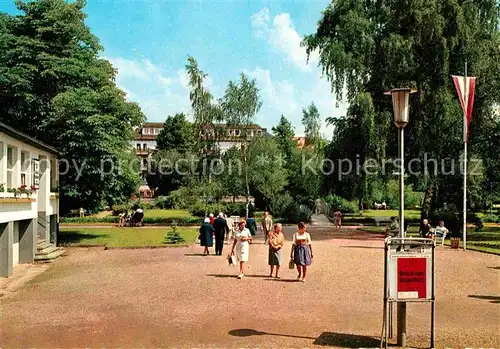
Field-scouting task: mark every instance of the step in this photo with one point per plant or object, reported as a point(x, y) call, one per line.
point(47, 250)
point(43, 246)
point(40, 241)
point(51, 256)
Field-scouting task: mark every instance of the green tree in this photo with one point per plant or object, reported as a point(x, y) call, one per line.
point(312, 124)
point(369, 46)
point(283, 134)
point(267, 177)
point(54, 86)
point(240, 104)
point(177, 133)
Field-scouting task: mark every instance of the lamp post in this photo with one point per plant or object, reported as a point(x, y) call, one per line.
point(401, 109)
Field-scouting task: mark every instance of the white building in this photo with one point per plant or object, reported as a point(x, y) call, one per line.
point(29, 200)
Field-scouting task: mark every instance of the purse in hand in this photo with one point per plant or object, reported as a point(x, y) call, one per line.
point(291, 264)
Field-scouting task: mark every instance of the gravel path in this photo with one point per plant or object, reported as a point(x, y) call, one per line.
point(177, 298)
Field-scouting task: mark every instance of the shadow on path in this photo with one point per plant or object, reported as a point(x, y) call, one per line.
point(343, 340)
point(493, 299)
point(376, 248)
point(235, 276)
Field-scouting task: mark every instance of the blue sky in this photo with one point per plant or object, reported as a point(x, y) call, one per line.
point(148, 42)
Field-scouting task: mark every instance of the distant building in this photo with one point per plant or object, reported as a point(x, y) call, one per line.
point(230, 136)
point(301, 141)
point(145, 141)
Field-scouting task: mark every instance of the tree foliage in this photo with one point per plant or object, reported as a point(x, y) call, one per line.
point(54, 86)
point(373, 46)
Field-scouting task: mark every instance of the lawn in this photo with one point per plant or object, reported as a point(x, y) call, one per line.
point(410, 214)
point(487, 240)
point(159, 213)
point(121, 237)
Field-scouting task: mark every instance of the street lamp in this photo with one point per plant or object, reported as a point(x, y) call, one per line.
point(401, 109)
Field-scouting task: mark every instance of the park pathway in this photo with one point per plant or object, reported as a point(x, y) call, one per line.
point(321, 221)
point(175, 297)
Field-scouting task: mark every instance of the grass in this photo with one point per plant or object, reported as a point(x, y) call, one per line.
point(487, 240)
point(121, 237)
point(410, 214)
point(159, 213)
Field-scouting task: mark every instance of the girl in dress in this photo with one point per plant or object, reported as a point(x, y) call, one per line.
point(301, 252)
point(242, 244)
point(276, 242)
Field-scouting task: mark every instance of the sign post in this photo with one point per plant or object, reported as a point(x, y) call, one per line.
point(408, 277)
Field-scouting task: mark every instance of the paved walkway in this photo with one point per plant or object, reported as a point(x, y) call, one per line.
point(177, 298)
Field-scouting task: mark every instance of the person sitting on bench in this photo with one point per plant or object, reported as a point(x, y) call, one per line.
point(393, 228)
point(426, 230)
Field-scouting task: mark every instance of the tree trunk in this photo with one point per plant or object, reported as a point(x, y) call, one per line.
point(426, 210)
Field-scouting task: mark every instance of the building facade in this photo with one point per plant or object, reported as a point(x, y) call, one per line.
point(145, 141)
point(29, 200)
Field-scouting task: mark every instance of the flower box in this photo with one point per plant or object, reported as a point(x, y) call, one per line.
point(15, 200)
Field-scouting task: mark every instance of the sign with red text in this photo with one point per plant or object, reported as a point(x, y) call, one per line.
point(412, 278)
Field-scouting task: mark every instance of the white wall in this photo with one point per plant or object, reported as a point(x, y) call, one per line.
point(149, 144)
point(12, 211)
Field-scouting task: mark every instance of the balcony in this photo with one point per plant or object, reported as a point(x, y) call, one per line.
point(142, 152)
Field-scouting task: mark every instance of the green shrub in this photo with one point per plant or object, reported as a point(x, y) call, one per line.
point(280, 204)
point(173, 237)
point(491, 218)
point(147, 220)
point(163, 203)
point(339, 203)
point(236, 209)
point(201, 209)
point(117, 209)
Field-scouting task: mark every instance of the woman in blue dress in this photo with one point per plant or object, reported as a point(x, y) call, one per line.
point(206, 233)
point(301, 252)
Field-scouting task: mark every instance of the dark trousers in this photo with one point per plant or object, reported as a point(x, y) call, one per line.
point(219, 242)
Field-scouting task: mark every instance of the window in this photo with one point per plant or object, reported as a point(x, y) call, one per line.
point(10, 167)
point(145, 131)
point(139, 146)
point(1, 163)
point(151, 131)
point(25, 165)
point(236, 132)
point(259, 133)
point(144, 147)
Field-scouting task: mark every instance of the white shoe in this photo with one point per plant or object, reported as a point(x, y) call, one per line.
point(241, 276)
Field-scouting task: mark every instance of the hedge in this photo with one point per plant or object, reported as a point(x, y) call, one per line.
point(147, 220)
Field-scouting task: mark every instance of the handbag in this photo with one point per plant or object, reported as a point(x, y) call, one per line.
point(291, 264)
point(232, 259)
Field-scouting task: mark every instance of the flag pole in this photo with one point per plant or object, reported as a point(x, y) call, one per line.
point(465, 160)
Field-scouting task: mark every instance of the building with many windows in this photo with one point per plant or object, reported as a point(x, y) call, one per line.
point(29, 200)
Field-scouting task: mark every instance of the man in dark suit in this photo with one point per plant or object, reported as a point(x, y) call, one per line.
point(221, 229)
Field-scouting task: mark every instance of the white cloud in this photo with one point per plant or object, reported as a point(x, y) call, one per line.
point(146, 83)
point(282, 97)
point(281, 34)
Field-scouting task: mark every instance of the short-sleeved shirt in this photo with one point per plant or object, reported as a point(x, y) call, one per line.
point(245, 233)
point(304, 239)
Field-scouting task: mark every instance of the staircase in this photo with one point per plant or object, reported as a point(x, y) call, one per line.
point(47, 252)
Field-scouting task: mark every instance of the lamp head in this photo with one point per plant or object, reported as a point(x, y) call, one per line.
point(400, 105)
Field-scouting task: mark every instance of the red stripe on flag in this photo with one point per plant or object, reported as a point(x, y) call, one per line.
point(470, 103)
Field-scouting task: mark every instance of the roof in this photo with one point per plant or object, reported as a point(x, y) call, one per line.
point(141, 137)
point(23, 137)
point(152, 125)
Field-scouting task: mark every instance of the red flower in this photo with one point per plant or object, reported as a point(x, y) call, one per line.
point(32, 187)
point(23, 186)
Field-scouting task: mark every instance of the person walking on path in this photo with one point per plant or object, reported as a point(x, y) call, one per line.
point(301, 252)
point(220, 226)
point(251, 225)
point(266, 226)
point(230, 228)
point(206, 231)
point(338, 219)
point(276, 242)
point(241, 243)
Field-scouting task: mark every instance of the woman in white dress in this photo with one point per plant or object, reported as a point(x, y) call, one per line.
point(242, 244)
